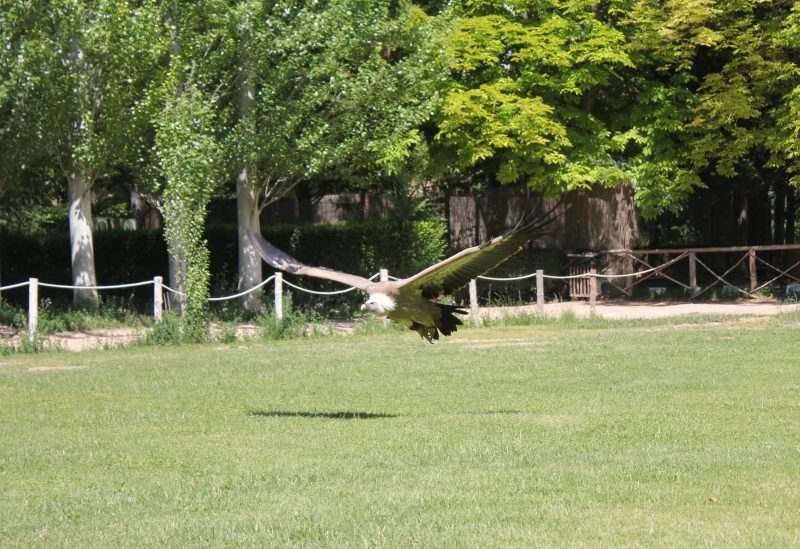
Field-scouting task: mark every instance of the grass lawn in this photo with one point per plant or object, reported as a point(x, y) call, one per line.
point(580, 433)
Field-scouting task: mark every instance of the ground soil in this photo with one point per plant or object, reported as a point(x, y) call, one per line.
point(115, 337)
point(624, 309)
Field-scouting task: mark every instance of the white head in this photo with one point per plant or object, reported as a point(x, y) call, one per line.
point(379, 304)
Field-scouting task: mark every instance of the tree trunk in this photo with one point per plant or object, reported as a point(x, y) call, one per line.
point(146, 215)
point(249, 261)
point(780, 212)
point(177, 277)
point(791, 213)
point(81, 242)
point(247, 211)
point(742, 222)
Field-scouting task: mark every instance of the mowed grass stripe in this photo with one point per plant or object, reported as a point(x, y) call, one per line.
point(581, 434)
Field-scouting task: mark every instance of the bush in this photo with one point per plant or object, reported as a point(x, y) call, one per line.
point(168, 331)
point(403, 247)
point(120, 257)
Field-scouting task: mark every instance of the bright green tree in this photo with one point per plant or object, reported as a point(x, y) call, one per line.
point(713, 98)
point(532, 92)
point(186, 103)
point(188, 159)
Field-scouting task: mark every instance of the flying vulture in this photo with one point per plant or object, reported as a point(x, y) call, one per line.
point(412, 301)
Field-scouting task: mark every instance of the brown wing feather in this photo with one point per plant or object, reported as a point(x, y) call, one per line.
point(456, 271)
point(282, 261)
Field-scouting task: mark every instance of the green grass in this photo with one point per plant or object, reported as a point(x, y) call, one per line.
point(112, 313)
point(587, 434)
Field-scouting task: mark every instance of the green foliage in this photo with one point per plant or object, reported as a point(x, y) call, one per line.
point(403, 247)
point(665, 97)
point(111, 313)
point(479, 123)
point(15, 317)
point(75, 75)
point(187, 155)
point(714, 91)
point(53, 319)
point(525, 84)
point(668, 97)
point(342, 89)
point(166, 332)
point(23, 346)
point(293, 325)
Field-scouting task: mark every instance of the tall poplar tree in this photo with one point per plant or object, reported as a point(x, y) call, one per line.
point(325, 89)
point(80, 71)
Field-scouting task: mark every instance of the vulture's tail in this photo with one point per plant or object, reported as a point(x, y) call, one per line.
point(449, 323)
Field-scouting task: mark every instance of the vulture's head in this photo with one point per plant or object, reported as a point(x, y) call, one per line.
point(379, 304)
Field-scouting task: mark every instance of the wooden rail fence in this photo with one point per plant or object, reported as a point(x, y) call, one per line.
point(657, 261)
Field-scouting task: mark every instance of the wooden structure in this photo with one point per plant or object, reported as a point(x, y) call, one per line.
point(588, 219)
point(638, 266)
point(580, 264)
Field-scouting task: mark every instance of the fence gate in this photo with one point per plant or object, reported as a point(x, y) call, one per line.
point(580, 264)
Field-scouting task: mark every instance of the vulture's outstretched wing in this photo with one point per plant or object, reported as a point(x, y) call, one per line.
point(284, 262)
point(456, 271)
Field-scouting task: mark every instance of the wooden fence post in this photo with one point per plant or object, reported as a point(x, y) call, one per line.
point(279, 296)
point(540, 292)
point(628, 266)
point(158, 298)
point(592, 288)
point(693, 273)
point(383, 276)
point(33, 307)
point(753, 277)
point(473, 301)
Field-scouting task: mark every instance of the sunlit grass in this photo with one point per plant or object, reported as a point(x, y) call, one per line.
point(559, 433)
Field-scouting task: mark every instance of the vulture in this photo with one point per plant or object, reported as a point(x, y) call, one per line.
point(413, 301)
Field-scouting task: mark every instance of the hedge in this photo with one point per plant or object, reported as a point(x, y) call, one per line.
point(403, 247)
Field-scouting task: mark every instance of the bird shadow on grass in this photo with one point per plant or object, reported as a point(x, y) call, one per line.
point(369, 415)
point(321, 415)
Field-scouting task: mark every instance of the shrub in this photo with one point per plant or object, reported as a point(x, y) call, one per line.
point(403, 247)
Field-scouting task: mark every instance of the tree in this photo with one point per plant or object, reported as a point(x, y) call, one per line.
point(531, 93)
point(22, 160)
point(187, 154)
point(78, 75)
point(713, 88)
point(249, 263)
point(337, 88)
point(185, 106)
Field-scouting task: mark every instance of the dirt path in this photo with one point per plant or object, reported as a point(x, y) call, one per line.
point(646, 309)
point(116, 337)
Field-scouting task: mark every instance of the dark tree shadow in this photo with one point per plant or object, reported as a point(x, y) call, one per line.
point(324, 415)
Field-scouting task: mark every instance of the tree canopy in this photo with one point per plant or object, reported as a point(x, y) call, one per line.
point(684, 101)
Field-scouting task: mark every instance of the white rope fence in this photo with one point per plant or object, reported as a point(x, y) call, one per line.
point(277, 279)
point(159, 288)
point(336, 292)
